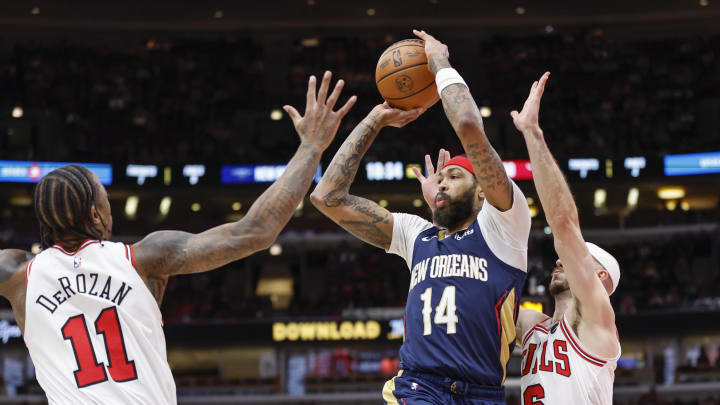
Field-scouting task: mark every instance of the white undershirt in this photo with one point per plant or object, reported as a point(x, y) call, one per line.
point(505, 232)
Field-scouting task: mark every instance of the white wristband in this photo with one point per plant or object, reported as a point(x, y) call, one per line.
point(446, 77)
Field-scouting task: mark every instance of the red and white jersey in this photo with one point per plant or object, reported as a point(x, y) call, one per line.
point(557, 369)
point(94, 330)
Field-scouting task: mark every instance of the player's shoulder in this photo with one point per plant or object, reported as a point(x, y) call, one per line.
point(410, 222)
point(530, 321)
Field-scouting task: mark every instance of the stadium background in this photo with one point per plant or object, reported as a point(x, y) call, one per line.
point(178, 103)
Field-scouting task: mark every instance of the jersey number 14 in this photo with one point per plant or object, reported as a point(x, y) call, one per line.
point(444, 312)
point(89, 371)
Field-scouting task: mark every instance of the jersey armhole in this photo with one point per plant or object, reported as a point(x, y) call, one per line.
point(28, 269)
point(130, 255)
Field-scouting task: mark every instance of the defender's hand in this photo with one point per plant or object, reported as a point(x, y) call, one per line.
point(437, 53)
point(394, 117)
point(527, 119)
point(430, 184)
point(320, 123)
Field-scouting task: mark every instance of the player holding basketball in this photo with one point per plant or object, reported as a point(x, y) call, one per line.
point(571, 357)
point(467, 267)
point(89, 308)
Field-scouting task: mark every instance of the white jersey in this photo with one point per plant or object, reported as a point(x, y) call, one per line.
point(557, 369)
point(94, 330)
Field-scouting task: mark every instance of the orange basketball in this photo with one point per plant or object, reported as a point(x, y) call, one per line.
point(403, 78)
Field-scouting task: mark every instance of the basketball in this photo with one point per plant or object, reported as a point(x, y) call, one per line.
point(403, 78)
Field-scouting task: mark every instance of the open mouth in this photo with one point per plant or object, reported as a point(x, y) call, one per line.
point(440, 201)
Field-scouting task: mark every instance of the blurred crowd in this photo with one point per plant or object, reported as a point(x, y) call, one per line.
point(666, 273)
point(210, 100)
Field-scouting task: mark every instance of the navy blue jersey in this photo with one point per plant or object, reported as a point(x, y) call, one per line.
point(464, 292)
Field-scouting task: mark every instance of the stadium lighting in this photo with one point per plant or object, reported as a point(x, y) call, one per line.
point(276, 114)
point(131, 206)
point(485, 111)
point(533, 211)
point(275, 250)
point(236, 206)
point(195, 207)
point(633, 196)
point(600, 198)
point(17, 112)
point(165, 204)
point(671, 193)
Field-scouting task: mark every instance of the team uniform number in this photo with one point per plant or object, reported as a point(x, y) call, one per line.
point(533, 395)
point(89, 371)
point(444, 312)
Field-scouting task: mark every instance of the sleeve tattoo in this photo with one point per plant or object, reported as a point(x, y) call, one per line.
point(367, 218)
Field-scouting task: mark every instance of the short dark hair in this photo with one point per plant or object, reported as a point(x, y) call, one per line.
point(63, 202)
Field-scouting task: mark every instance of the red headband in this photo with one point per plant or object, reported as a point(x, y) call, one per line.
point(461, 161)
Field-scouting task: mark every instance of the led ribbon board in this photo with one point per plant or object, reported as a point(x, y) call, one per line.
point(15, 171)
point(693, 163)
point(250, 174)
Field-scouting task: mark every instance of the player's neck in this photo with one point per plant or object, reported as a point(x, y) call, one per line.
point(463, 225)
point(564, 303)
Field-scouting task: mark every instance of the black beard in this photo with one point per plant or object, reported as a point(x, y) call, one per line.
point(558, 288)
point(455, 212)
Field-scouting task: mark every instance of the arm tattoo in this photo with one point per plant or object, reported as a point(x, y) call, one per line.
point(463, 114)
point(435, 64)
point(340, 175)
point(167, 253)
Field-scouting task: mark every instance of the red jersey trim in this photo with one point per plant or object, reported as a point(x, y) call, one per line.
point(538, 327)
point(28, 269)
point(132, 256)
point(569, 335)
point(83, 246)
point(497, 312)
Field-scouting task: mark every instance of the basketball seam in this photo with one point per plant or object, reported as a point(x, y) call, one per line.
point(416, 93)
point(399, 70)
point(400, 46)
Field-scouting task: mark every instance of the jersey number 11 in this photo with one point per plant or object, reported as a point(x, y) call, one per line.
point(89, 371)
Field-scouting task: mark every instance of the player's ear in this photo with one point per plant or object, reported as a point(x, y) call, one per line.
point(479, 191)
point(95, 215)
point(604, 277)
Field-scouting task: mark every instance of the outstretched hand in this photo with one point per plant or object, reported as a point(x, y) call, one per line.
point(527, 119)
point(430, 184)
point(395, 117)
point(320, 123)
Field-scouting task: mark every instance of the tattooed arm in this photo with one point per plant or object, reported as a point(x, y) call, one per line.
point(12, 281)
point(165, 253)
point(464, 116)
point(359, 216)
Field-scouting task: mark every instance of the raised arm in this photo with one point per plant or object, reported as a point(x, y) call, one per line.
point(562, 216)
point(359, 216)
point(12, 280)
point(464, 116)
point(166, 253)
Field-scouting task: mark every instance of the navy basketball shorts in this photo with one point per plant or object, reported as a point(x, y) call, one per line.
point(412, 388)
